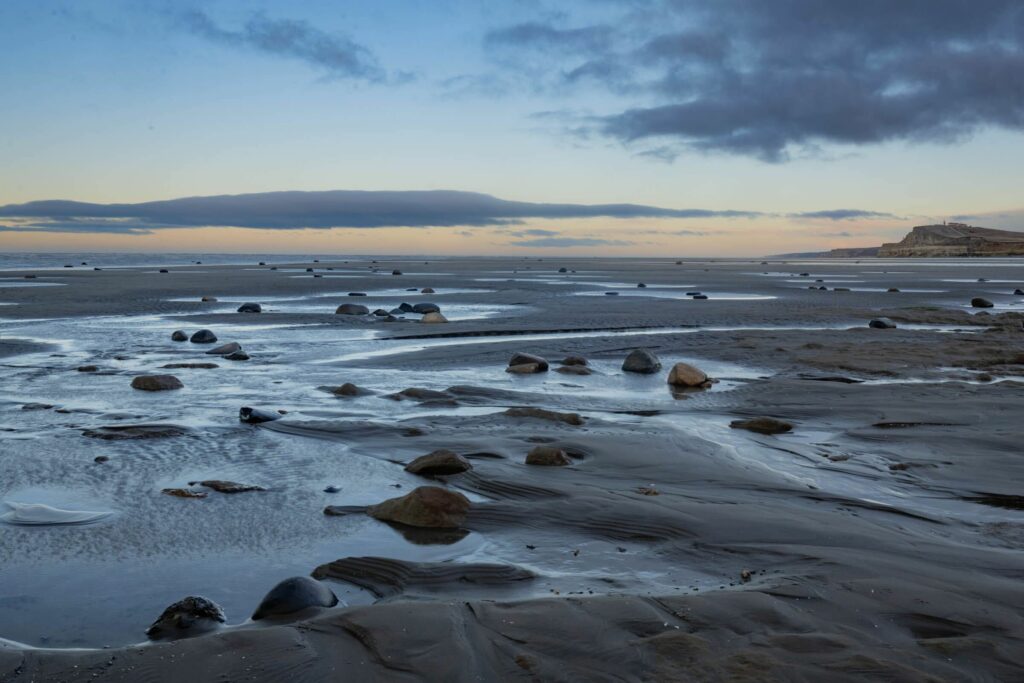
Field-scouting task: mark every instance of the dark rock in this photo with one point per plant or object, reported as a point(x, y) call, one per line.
point(347, 389)
point(87, 368)
point(223, 486)
point(642, 361)
point(611, 293)
point(37, 406)
point(225, 349)
point(427, 506)
point(164, 270)
point(179, 336)
point(332, 489)
point(184, 493)
point(425, 308)
point(357, 293)
point(686, 376)
point(979, 302)
point(256, 416)
point(700, 297)
point(548, 456)
point(396, 272)
point(405, 308)
point(134, 432)
point(527, 359)
point(237, 355)
point(580, 370)
point(563, 270)
point(1018, 292)
point(352, 309)
point(893, 289)
point(440, 462)
point(294, 595)
point(101, 459)
point(693, 294)
point(882, 324)
point(542, 414)
point(189, 366)
point(250, 308)
point(574, 360)
point(641, 285)
point(192, 616)
point(763, 425)
point(203, 337)
point(427, 290)
point(419, 394)
point(156, 383)
point(381, 313)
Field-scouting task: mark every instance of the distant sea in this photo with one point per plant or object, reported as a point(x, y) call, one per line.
point(42, 261)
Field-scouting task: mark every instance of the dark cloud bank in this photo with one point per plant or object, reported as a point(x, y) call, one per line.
point(345, 209)
point(764, 79)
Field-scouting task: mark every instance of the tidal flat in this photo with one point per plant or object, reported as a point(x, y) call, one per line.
point(880, 535)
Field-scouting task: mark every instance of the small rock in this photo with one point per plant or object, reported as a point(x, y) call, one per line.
point(225, 349)
point(579, 370)
point(223, 486)
point(203, 337)
point(189, 366)
point(101, 459)
point(256, 416)
point(179, 336)
point(250, 308)
point(405, 308)
point(893, 289)
point(530, 362)
point(352, 309)
point(699, 297)
point(563, 270)
point(87, 368)
point(641, 285)
point(882, 324)
point(548, 456)
point(192, 616)
point(642, 361)
point(426, 507)
point(427, 290)
point(979, 302)
point(184, 493)
point(574, 360)
point(157, 383)
point(332, 489)
point(763, 425)
point(347, 389)
point(237, 355)
point(209, 299)
point(357, 293)
point(294, 595)
point(433, 318)
point(542, 414)
point(1018, 292)
point(425, 308)
point(685, 375)
point(440, 462)
point(164, 270)
point(396, 272)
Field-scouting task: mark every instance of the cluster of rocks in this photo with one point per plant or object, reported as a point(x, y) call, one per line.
point(639, 361)
point(431, 312)
point(195, 615)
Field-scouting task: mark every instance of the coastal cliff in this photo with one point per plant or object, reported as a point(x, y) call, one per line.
point(953, 240)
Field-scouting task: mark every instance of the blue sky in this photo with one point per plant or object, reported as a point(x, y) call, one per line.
point(904, 112)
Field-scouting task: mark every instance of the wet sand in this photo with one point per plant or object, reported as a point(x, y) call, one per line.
point(882, 538)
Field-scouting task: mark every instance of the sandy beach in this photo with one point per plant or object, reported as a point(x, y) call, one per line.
point(880, 538)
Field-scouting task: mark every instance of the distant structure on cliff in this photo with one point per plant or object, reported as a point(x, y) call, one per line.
point(949, 240)
point(954, 240)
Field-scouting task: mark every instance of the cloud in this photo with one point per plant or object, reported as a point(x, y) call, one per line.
point(562, 242)
point(842, 214)
point(323, 210)
point(338, 56)
point(774, 79)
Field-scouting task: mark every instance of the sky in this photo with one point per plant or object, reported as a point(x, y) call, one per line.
point(525, 127)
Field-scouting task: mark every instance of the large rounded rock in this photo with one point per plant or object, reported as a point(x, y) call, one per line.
point(203, 337)
point(352, 309)
point(685, 375)
point(157, 383)
point(186, 618)
point(433, 318)
point(294, 595)
point(548, 456)
point(225, 349)
point(440, 462)
point(179, 336)
point(642, 361)
point(405, 307)
point(763, 425)
point(425, 308)
point(882, 324)
point(526, 363)
point(979, 302)
point(250, 308)
point(427, 507)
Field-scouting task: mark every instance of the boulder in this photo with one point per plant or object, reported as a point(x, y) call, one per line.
point(179, 336)
point(642, 361)
point(763, 425)
point(685, 375)
point(425, 308)
point(405, 307)
point(256, 416)
point(250, 308)
point(542, 414)
point(440, 462)
point(882, 324)
point(189, 617)
point(294, 595)
point(426, 507)
point(347, 389)
point(526, 369)
point(352, 309)
point(237, 355)
point(433, 318)
point(156, 383)
point(225, 349)
point(1018, 292)
point(203, 337)
point(548, 456)
point(574, 360)
point(381, 313)
point(427, 290)
point(979, 302)
point(530, 362)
